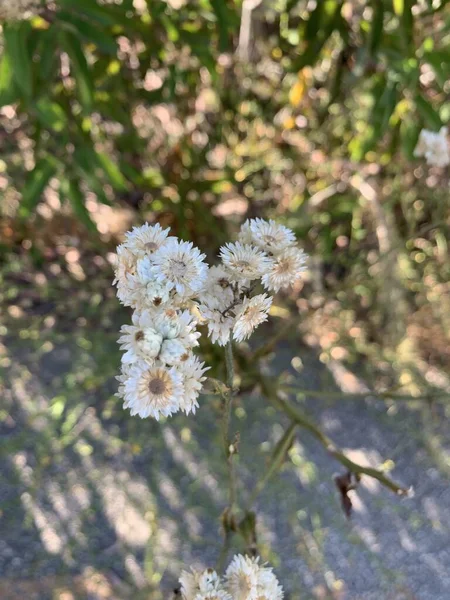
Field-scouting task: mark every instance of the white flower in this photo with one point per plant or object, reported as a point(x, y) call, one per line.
point(152, 390)
point(241, 578)
point(140, 341)
point(198, 582)
point(219, 325)
point(192, 370)
point(286, 268)
point(172, 351)
point(146, 239)
point(181, 266)
point(244, 261)
point(218, 291)
point(217, 594)
point(246, 579)
point(15, 10)
point(251, 313)
point(434, 147)
point(267, 235)
point(124, 271)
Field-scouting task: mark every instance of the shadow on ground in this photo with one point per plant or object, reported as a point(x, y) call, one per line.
point(96, 504)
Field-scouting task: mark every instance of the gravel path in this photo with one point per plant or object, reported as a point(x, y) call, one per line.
point(138, 500)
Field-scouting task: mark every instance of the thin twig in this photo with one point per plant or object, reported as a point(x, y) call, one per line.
point(301, 419)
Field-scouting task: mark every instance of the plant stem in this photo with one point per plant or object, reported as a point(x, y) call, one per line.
point(230, 452)
point(301, 419)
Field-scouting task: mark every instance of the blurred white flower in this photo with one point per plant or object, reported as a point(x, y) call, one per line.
point(434, 147)
point(124, 271)
point(241, 578)
point(152, 390)
point(251, 313)
point(16, 10)
point(195, 584)
point(286, 268)
point(267, 235)
point(246, 579)
point(244, 261)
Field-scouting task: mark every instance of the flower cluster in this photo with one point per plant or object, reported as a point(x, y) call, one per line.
point(245, 579)
point(166, 280)
point(158, 276)
point(265, 252)
point(434, 147)
point(16, 10)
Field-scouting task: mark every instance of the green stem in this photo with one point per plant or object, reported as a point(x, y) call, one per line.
point(230, 452)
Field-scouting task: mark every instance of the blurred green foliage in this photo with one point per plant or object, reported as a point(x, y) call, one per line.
point(195, 111)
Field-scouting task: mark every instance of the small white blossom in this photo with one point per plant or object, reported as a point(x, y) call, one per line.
point(219, 324)
point(125, 270)
point(434, 147)
point(198, 582)
point(267, 235)
point(181, 266)
point(244, 261)
point(145, 240)
point(287, 267)
point(218, 291)
point(246, 579)
point(140, 341)
point(241, 578)
point(192, 370)
point(152, 390)
point(251, 313)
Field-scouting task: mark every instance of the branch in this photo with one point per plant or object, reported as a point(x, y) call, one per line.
point(297, 416)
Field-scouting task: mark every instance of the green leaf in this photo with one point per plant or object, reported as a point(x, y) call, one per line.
point(112, 171)
point(16, 37)
point(35, 185)
point(85, 86)
point(430, 117)
point(71, 189)
point(376, 33)
point(8, 89)
point(87, 165)
point(409, 135)
point(223, 16)
point(51, 115)
point(89, 32)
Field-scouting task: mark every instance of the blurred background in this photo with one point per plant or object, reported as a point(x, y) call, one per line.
point(198, 114)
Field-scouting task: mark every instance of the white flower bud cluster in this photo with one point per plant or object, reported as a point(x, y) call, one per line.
point(245, 579)
point(164, 280)
point(434, 147)
point(17, 10)
point(159, 276)
point(265, 251)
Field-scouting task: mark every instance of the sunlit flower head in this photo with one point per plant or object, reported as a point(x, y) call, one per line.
point(244, 261)
point(140, 340)
point(251, 313)
point(181, 266)
point(434, 147)
point(145, 240)
point(124, 270)
point(153, 390)
point(267, 235)
point(287, 267)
